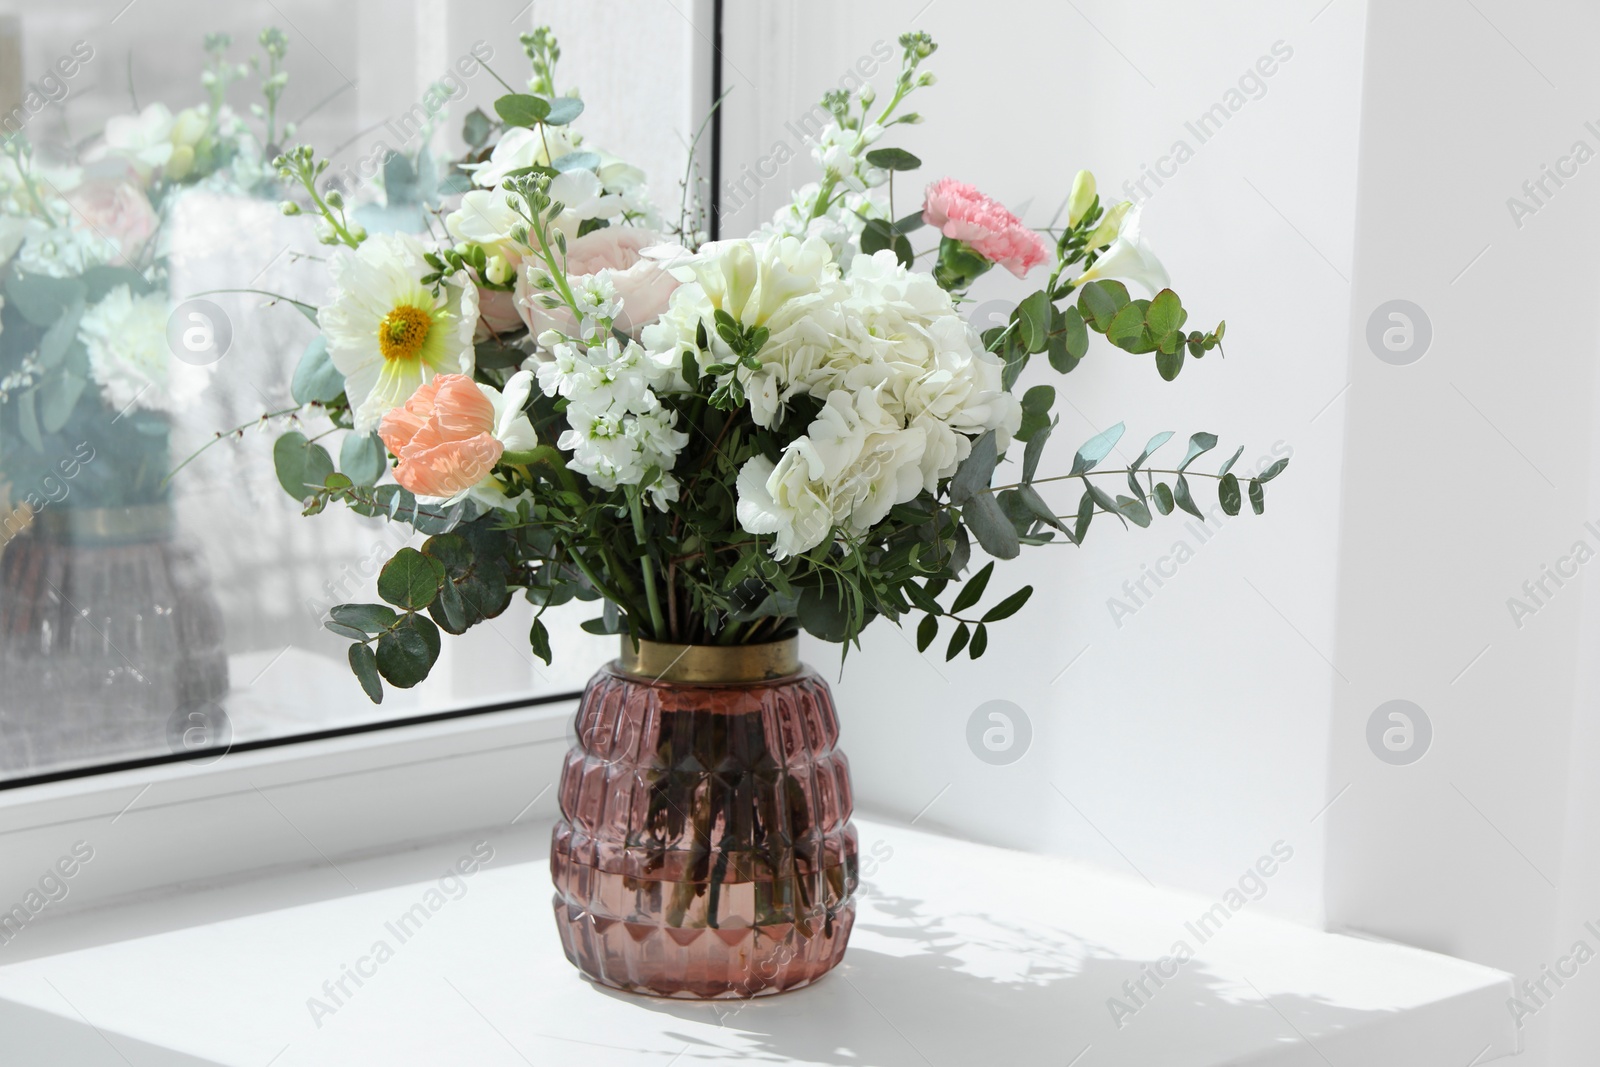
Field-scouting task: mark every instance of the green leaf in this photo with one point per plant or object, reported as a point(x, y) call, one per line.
point(1169, 364)
point(521, 109)
point(1009, 606)
point(1184, 500)
point(410, 580)
point(28, 420)
point(1099, 302)
point(824, 613)
point(1199, 444)
point(976, 471)
point(1272, 471)
point(1135, 511)
point(303, 467)
point(577, 161)
point(1040, 510)
point(1103, 498)
point(408, 652)
point(476, 128)
point(1149, 449)
point(539, 640)
point(364, 662)
point(1164, 501)
point(1228, 494)
point(989, 524)
point(450, 605)
point(348, 632)
point(1035, 451)
point(908, 223)
point(1228, 466)
point(1033, 319)
point(1085, 516)
point(1096, 449)
point(59, 337)
point(1036, 404)
point(972, 590)
point(58, 396)
point(1258, 496)
point(42, 300)
point(316, 379)
point(563, 109)
point(362, 458)
point(980, 641)
point(1069, 342)
point(893, 159)
point(1165, 315)
point(368, 618)
point(927, 630)
point(958, 641)
point(1127, 330)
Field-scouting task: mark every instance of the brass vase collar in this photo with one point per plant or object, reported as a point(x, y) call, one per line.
point(660, 661)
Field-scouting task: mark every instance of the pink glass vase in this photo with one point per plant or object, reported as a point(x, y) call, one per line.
point(705, 847)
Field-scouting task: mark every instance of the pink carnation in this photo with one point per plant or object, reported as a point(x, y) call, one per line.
point(963, 213)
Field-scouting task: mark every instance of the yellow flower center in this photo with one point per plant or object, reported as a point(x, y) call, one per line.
point(402, 332)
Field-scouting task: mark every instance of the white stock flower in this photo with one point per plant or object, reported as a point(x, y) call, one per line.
point(129, 359)
point(618, 430)
point(387, 332)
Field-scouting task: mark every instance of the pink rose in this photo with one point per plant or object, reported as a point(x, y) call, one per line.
point(961, 212)
point(443, 437)
point(497, 313)
point(117, 211)
point(642, 284)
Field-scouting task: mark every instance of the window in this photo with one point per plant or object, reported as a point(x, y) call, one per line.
point(143, 616)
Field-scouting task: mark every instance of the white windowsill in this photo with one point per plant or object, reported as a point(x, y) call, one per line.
point(962, 955)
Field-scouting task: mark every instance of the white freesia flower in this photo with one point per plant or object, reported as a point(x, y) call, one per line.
point(1129, 259)
point(144, 140)
point(129, 359)
point(484, 217)
point(388, 333)
point(582, 197)
point(522, 147)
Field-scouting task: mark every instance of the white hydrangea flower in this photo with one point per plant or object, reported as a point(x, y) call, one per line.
point(854, 463)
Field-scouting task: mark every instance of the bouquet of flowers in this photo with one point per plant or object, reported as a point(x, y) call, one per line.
point(721, 442)
point(87, 366)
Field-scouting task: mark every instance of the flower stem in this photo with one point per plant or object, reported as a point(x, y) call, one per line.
point(658, 626)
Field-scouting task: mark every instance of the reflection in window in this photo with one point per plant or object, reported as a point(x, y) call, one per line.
point(150, 283)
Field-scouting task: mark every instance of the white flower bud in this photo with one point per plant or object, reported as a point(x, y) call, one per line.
point(1083, 193)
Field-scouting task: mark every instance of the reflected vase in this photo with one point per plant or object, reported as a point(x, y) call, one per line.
point(705, 847)
point(111, 640)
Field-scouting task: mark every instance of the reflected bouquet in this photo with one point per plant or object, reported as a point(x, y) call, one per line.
point(91, 361)
point(721, 442)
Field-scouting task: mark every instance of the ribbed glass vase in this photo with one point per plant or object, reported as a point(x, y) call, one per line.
point(705, 847)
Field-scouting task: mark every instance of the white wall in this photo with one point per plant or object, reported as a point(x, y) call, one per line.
point(1467, 473)
point(1189, 739)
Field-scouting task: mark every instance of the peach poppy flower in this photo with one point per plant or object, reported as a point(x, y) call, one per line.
point(451, 432)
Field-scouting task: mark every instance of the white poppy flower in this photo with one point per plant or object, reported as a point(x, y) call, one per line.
point(387, 332)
